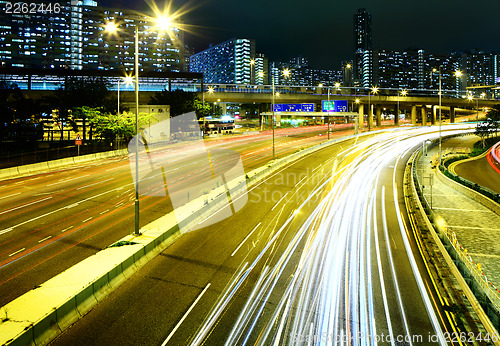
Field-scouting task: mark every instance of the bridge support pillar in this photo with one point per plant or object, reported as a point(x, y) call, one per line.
point(361, 116)
point(434, 115)
point(423, 112)
point(414, 115)
point(396, 116)
point(378, 113)
point(370, 117)
point(452, 114)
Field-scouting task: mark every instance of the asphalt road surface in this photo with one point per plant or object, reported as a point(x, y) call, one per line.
point(51, 221)
point(321, 252)
point(480, 172)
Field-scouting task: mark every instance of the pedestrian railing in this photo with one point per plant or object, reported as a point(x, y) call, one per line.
point(480, 285)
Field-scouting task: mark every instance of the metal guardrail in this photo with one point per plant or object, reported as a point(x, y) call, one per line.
point(466, 265)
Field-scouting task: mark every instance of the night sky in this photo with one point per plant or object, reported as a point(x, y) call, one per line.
point(321, 30)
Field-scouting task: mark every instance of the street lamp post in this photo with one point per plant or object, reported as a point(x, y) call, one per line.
point(252, 62)
point(356, 125)
point(286, 74)
point(136, 68)
point(118, 104)
point(272, 120)
point(328, 103)
point(440, 123)
point(163, 22)
point(458, 75)
point(403, 93)
point(370, 113)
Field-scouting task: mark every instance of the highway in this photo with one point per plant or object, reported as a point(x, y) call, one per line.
point(50, 221)
point(322, 251)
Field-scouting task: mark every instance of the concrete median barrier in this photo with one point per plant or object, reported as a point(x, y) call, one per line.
point(8, 173)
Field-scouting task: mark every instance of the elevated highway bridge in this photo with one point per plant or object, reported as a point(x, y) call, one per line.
point(422, 106)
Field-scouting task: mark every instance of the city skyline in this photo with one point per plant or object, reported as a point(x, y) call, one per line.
point(281, 32)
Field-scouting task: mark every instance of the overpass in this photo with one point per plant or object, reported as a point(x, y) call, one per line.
point(422, 107)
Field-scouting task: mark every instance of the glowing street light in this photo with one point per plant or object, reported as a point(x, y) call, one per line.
point(163, 23)
point(111, 27)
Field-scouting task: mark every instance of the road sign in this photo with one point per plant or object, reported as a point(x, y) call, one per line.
point(78, 140)
point(294, 107)
point(335, 105)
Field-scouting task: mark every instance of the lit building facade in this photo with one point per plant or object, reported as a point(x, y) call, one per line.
point(74, 37)
point(261, 72)
point(226, 63)
point(398, 69)
point(363, 53)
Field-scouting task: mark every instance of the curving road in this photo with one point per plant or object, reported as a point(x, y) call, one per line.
point(481, 172)
point(321, 252)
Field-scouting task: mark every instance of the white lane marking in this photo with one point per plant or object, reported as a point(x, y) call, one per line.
point(53, 211)
point(24, 205)
point(44, 239)
point(18, 251)
point(64, 230)
point(15, 194)
point(185, 315)
point(244, 240)
point(71, 206)
point(279, 201)
point(65, 181)
point(6, 230)
point(102, 212)
point(90, 218)
point(102, 181)
point(381, 274)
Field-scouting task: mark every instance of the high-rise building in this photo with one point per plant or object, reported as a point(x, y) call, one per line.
point(363, 59)
point(261, 72)
point(158, 50)
point(479, 68)
point(227, 62)
point(73, 36)
point(398, 69)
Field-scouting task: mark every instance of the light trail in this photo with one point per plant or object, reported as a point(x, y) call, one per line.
point(328, 294)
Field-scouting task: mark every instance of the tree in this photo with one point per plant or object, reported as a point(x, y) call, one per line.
point(202, 109)
point(486, 128)
point(111, 126)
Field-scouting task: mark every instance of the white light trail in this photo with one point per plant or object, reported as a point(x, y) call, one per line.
point(327, 294)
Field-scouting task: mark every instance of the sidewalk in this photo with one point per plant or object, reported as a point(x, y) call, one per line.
point(477, 228)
